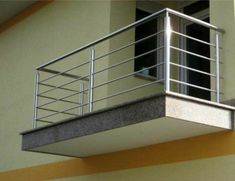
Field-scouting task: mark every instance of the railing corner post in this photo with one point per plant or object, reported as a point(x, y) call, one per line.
point(35, 109)
point(167, 41)
point(81, 97)
point(91, 79)
point(217, 72)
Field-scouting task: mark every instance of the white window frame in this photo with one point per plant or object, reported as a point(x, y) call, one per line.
point(182, 57)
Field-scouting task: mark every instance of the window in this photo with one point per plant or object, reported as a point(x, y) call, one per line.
point(142, 31)
point(200, 10)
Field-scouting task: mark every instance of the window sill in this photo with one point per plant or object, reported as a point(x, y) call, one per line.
point(146, 77)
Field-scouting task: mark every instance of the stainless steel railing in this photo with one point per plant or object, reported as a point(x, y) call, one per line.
point(98, 76)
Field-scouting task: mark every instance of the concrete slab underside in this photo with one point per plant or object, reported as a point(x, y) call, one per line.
point(147, 121)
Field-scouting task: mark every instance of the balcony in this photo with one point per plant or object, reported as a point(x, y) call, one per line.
point(131, 89)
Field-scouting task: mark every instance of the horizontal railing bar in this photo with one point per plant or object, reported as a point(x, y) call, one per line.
point(102, 98)
point(135, 24)
point(62, 112)
point(127, 75)
point(192, 85)
point(192, 69)
point(55, 100)
point(192, 38)
point(63, 72)
point(116, 94)
point(130, 44)
point(60, 73)
point(132, 25)
point(194, 54)
point(128, 90)
point(112, 66)
point(129, 59)
point(62, 99)
point(75, 107)
point(52, 110)
point(195, 20)
point(62, 85)
point(48, 85)
point(44, 121)
point(112, 96)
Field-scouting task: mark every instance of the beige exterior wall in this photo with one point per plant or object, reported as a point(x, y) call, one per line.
point(222, 14)
point(56, 29)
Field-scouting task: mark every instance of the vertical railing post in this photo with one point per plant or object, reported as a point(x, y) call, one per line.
point(167, 41)
point(217, 62)
point(81, 97)
point(35, 109)
point(91, 80)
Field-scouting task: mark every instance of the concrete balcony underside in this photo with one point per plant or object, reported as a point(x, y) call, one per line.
point(151, 120)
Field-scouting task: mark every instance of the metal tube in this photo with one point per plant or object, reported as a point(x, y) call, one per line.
point(192, 38)
point(52, 110)
point(112, 66)
point(135, 24)
point(129, 90)
point(167, 41)
point(192, 85)
point(35, 110)
point(81, 97)
point(44, 121)
point(195, 20)
point(84, 91)
point(56, 73)
point(91, 82)
point(130, 44)
point(217, 59)
point(62, 98)
point(66, 89)
point(62, 85)
point(63, 72)
point(132, 25)
point(194, 54)
point(62, 111)
point(126, 76)
point(129, 59)
point(192, 69)
point(54, 100)
point(107, 97)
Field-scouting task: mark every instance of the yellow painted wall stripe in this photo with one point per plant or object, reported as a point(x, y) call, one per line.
point(206, 146)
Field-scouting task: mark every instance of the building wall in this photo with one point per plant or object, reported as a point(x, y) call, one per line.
point(121, 15)
point(194, 157)
point(226, 21)
point(216, 169)
point(48, 33)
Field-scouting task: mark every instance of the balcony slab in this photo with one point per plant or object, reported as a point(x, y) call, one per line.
point(150, 120)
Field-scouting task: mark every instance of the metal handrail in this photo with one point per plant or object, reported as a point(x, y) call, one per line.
point(192, 69)
point(165, 64)
point(195, 20)
point(135, 24)
point(192, 53)
point(192, 85)
point(192, 38)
